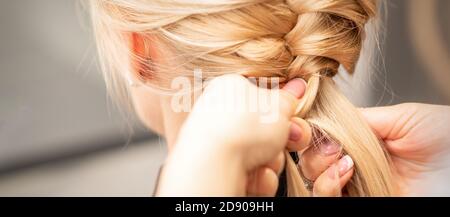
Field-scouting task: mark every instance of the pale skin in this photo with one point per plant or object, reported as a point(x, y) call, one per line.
point(417, 137)
point(248, 162)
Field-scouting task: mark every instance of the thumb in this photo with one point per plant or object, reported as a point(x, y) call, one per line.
point(388, 122)
point(290, 95)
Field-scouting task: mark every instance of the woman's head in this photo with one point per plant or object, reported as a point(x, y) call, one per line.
point(154, 41)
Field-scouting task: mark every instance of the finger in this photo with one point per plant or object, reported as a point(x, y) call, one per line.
point(299, 136)
point(316, 159)
point(331, 182)
point(327, 185)
point(290, 95)
point(263, 183)
point(277, 164)
point(388, 121)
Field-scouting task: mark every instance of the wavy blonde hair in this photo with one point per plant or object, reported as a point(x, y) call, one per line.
point(309, 39)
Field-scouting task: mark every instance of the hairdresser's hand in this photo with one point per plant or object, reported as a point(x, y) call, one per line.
point(223, 149)
point(416, 135)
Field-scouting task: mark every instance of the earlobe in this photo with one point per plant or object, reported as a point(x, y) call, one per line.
point(130, 81)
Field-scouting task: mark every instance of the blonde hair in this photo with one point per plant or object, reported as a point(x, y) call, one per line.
point(310, 39)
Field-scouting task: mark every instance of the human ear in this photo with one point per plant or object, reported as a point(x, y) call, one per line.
point(142, 56)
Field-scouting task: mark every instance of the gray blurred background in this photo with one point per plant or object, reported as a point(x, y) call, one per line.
point(61, 136)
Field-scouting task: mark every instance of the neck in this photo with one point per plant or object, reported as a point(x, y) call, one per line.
point(172, 124)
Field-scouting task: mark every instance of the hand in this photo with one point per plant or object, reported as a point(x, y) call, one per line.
point(323, 164)
point(416, 135)
point(235, 152)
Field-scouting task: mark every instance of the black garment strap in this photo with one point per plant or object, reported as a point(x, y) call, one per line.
point(155, 189)
point(295, 157)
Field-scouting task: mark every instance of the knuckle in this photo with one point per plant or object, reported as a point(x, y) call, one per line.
point(410, 107)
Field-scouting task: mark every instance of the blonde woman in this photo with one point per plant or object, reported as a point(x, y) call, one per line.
point(150, 48)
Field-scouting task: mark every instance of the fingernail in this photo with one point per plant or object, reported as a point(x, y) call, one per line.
point(332, 172)
point(345, 164)
point(296, 87)
point(329, 148)
point(295, 133)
